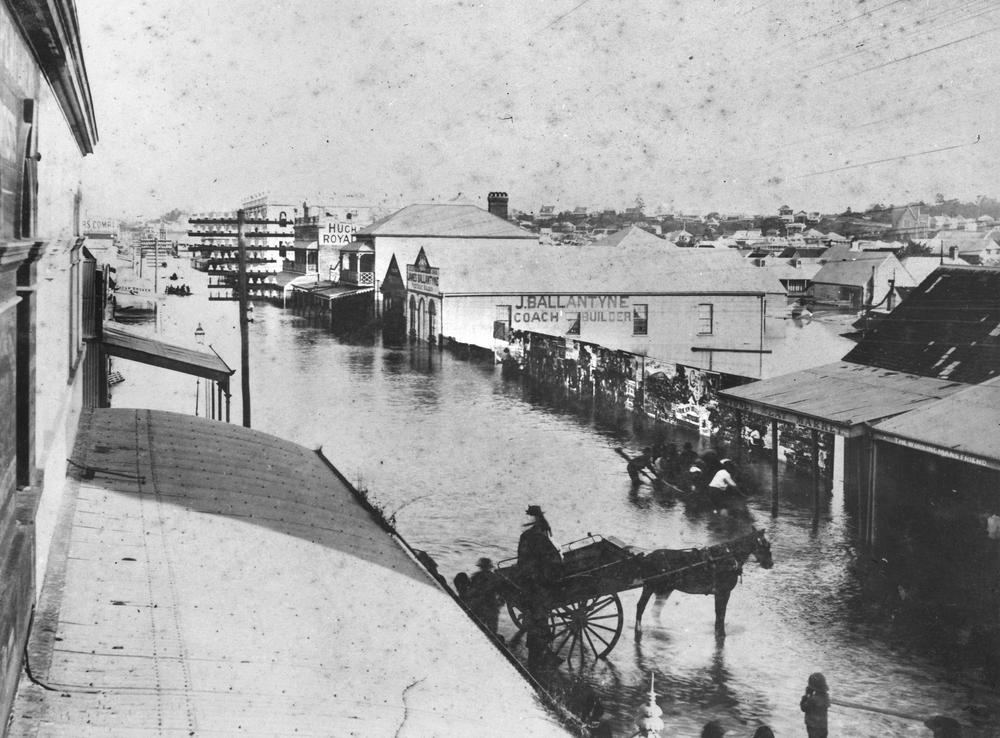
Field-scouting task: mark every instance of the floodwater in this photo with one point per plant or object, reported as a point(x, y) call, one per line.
point(454, 453)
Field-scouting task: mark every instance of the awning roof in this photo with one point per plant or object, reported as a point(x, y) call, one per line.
point(230, 582)
point(964, 426)
point(838, 397)
point(122, 344)
point(337, 293)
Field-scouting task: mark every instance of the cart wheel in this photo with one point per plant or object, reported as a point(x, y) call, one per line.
point(590, 626)
point(516, 616)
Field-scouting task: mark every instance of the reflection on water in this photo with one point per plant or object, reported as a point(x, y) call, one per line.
point(457, 453)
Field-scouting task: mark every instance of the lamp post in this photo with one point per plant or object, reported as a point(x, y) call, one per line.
point(199, 338)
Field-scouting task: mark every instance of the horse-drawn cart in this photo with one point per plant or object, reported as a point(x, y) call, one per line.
point(584, 611)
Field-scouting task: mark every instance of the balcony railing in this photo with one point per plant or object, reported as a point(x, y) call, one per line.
point(361, 279)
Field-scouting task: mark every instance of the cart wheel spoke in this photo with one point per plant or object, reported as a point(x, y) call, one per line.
point(578, 631)
point(602, 627)
point(599, 637)
point(566, 636)
point(597, 605)
point(596, 651)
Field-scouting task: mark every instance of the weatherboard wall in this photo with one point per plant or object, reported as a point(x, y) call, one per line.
point(674, 324)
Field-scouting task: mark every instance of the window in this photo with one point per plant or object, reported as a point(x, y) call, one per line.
point(501, 323)
point(705, 319)
point(574, 324)
point(640, 320)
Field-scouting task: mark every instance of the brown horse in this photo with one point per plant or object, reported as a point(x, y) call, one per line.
point(708, 571)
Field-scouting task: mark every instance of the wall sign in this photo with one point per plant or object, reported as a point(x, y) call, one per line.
point(422, 277)
point(549, 309)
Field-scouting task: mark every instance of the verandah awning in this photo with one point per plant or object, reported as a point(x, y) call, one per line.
point(124, 345)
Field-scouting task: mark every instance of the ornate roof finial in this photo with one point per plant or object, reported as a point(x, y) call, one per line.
point(649, 721)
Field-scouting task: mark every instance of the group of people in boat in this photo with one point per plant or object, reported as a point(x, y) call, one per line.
point(707, 474)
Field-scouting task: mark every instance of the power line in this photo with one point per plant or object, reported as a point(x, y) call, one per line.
point(891, 158)
point(921, 53)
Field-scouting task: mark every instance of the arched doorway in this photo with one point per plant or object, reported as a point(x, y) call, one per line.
point(421, 320)
point(413, 317)
point(432, 321)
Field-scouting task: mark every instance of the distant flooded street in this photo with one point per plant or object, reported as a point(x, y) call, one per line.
point(454, 453)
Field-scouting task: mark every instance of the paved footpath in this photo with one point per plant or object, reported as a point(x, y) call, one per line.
point(226, 582)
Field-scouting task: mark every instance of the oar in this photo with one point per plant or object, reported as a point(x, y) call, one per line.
point(625, 456)
point(886, 711)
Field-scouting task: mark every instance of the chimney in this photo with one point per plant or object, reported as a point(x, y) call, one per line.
point(498, 204)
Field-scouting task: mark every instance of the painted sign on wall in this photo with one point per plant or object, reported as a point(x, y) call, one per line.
point(422, 277)
point(548, 309)
point(335, 233)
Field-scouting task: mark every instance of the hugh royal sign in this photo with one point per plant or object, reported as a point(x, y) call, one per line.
point(555, 308)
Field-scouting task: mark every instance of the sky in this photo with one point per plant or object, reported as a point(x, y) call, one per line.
point(688, 105)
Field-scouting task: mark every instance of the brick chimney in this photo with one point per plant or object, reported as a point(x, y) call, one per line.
point(498, 204)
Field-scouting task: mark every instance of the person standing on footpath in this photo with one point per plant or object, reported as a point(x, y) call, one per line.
point(815, 703)
point(484, 596)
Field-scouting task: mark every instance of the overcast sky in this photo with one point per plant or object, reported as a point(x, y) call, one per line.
point(729, 105)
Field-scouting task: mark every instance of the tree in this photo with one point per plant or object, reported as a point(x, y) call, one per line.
point(913, 248)
point(639, 203)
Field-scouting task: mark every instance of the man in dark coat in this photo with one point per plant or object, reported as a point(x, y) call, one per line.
point(539, 561)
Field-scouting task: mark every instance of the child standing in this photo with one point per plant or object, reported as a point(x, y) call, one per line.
point(814, 703)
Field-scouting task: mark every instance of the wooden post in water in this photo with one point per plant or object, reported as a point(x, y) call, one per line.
point(774, 468)
point(244, 323)
point(815, 477)
point(738, 440)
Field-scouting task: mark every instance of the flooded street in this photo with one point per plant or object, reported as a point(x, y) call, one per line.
point(454, 454)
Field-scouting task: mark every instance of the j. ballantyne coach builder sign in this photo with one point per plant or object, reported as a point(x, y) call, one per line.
point(554, 308)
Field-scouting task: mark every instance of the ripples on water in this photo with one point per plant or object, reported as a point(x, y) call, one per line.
point(457, 453)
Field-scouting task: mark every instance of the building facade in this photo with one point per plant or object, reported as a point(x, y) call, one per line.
point(45, 277)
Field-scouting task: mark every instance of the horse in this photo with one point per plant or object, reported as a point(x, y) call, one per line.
point(714, 570)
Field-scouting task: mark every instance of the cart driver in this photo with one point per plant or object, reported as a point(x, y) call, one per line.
point(540, 561)
point(537, 555)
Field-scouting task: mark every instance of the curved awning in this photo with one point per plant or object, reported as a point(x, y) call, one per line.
point(218, 580)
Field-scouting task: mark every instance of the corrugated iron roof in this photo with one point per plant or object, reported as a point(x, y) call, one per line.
point(467, 268)
point(337, 293)
point(948, 327)
point(632, 236)
point(843, 394)
point(445, 220)
point(221, 580)
point(965, 424)
point(854, 272)
point(167, 355)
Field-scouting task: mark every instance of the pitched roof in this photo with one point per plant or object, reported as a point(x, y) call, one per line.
point(445, 220)
point(921, 267)
point(853, 272)
point(965, 241)
point(631, 236)
point(964, 424)
point(782, 269)
point(948, 327)
point(842, 394)
point(656, 268)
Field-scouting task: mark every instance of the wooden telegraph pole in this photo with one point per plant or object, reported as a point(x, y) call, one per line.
point(244, 323)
